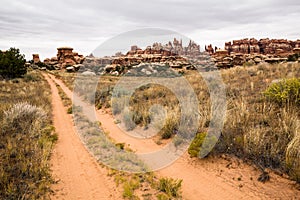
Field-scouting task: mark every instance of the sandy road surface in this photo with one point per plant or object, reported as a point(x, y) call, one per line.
point(79, 175)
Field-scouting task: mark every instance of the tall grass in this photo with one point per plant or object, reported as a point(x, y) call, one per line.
point(26, 138)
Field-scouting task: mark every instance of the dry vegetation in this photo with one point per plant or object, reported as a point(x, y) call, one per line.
point(26, 138)
point(133, 186)
point(258, 127)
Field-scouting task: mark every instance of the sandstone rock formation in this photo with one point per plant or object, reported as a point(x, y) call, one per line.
point(171, 54)
point(64, 59)
point(263, 46)
point(175, 55)
point(253, 51)
point(209, 49)
point(36, 58)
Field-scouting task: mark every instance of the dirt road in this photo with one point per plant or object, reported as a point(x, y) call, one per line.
point(79, 175)
point(214, 178)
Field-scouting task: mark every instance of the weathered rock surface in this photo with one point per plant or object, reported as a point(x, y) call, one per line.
point(253, 51)
point(65, 58)
point(262, 46)
point(176, 56)
point(36, 58)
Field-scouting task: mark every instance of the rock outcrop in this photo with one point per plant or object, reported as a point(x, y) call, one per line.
point(262, 46)
point(36, 58)
point(171, 54)
point(176, 56)
point(64, 59)
point(253, 51)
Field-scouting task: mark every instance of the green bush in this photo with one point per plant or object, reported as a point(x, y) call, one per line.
point(170, 187)
point(285, 92)
point(12, 63)
point(197, 147)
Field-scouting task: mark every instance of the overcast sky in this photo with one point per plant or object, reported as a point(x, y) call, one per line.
point(37, 26)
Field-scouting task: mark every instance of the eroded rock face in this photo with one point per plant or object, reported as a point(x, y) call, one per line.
point(209, 49)
point(263, 46)
point(65, 58)
point(253, 51)
point(36, 58)
point(170, 54)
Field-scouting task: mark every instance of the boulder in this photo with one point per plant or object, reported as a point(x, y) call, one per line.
point(88, 73)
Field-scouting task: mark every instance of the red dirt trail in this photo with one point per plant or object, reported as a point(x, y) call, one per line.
point(79, 175)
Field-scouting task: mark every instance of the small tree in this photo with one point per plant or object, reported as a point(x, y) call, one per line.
point(12, 63)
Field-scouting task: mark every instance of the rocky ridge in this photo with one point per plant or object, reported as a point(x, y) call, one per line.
point(179, 57)
point(252, 51)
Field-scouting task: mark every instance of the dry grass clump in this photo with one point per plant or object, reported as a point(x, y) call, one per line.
point(293, 158)
point(259, 127)
point(26, 138)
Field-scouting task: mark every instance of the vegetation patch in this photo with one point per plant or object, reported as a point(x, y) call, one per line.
point(26, 138)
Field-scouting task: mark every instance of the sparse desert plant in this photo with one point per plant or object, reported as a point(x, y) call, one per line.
point(171, 125)
point(128, 189)
point(201, 144)
point(293, 158)
point(31, 76)
point(171, 187)
point(128, 120)
point(23, 118)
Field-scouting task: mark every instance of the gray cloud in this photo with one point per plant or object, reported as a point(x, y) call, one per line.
point(41, 26)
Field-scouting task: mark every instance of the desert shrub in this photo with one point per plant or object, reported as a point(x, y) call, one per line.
point(32, 77)
point(12, 63)
point(268, 142)
point(171, 125)
point(23, 118)
point(196, 144)
point(70, 110)
point(162, 196)
point(198, 147)
point(128, 189)
point(102, 99)
point(293, 158)
point(26, 141)
point(293, 58)
point(286, 91)
point(128, 120)
point(171, 187)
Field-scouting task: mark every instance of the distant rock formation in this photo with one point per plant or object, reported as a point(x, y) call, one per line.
point(176, 56)
point(262, 46)
point(171, 54)
point(64, 59)
point(253, 51)
point(36, 58)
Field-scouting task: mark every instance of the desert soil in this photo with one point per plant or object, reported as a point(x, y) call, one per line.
point(223, 177)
